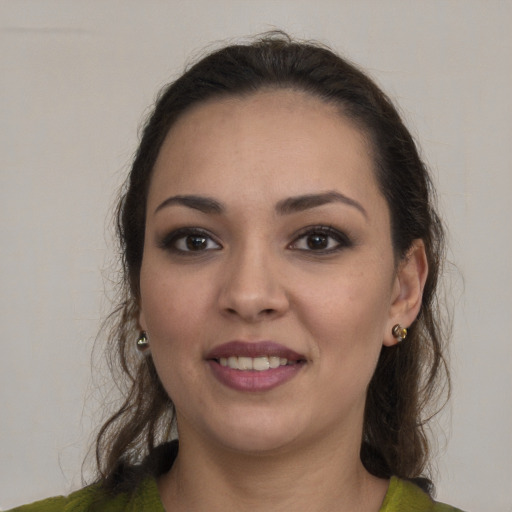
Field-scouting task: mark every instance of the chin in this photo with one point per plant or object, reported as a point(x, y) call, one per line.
point(258, 445)
point(259, 437)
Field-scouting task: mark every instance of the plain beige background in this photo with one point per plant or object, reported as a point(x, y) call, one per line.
point(76, 80)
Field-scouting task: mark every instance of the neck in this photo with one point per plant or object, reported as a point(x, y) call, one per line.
point(315, 478)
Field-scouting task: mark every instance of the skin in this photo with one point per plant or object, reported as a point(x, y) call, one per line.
point(258, 275)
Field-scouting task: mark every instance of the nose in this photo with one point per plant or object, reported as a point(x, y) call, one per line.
point(252, 287)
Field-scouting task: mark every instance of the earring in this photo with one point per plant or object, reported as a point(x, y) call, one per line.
point(399, 332)
point(142, 341)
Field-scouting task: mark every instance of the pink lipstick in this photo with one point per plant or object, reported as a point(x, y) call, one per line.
point(259, 366)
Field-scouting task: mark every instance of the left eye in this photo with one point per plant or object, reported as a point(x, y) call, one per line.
point(194, 243)
point(320, 240)
point(189, 240)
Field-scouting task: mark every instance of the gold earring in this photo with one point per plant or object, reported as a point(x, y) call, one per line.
point(399, 332)
point(142, 341)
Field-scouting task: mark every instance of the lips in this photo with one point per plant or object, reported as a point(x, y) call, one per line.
point(257, 366)
point(254, 350)
point(260, 364)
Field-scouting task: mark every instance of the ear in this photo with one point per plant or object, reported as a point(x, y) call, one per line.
point(407, 290)
point(141, 320)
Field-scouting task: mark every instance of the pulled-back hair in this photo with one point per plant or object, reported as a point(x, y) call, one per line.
point(410, 377)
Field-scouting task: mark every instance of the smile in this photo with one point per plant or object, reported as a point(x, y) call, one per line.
point(259, 364)
point(249, 366)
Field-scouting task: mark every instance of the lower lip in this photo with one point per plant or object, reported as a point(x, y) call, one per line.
point(252, 380)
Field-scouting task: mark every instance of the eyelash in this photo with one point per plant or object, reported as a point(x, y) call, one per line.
point(342, 241)
point(172, 241)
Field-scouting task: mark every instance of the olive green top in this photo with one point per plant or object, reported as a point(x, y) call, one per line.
point(402, 496)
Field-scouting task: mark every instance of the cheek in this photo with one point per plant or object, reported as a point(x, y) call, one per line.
point(170, 303)
point(351, 346)
point(352, 304)
point(178, 311)
point(348, 324)
point(171, 308)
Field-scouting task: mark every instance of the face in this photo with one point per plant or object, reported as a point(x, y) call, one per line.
point(268, 282)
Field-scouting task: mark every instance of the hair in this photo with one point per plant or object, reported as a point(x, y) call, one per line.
point(411, 377)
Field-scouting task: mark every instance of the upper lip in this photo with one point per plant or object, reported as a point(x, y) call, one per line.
point(254, 349)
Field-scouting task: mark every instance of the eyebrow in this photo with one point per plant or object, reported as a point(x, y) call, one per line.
point(305, 202)
point(285, 207)
point(201, 203)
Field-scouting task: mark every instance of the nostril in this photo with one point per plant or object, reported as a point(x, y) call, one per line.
point(263, 313)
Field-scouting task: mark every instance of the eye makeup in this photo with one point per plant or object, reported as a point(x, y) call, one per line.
point(321, 239)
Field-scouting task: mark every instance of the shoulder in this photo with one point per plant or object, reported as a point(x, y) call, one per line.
point(137, 492)
point(80, 500)
point(92, 498)
point(404, 495)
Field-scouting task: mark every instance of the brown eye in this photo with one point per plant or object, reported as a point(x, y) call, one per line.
point(317, 241)
point(189, 240)
point(196, 243)
point(321, 239)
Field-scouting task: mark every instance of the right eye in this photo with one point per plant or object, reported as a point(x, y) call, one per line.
point(190, 240)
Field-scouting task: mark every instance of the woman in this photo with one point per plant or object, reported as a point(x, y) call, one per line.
point(281, 254)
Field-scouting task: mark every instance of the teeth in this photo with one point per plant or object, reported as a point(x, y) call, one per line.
point(274, 361)
point(245, 363)
point(259, 364)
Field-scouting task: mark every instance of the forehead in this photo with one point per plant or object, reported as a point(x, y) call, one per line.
point(262, 142)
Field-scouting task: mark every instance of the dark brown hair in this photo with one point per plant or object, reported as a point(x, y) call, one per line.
point(409, 377)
